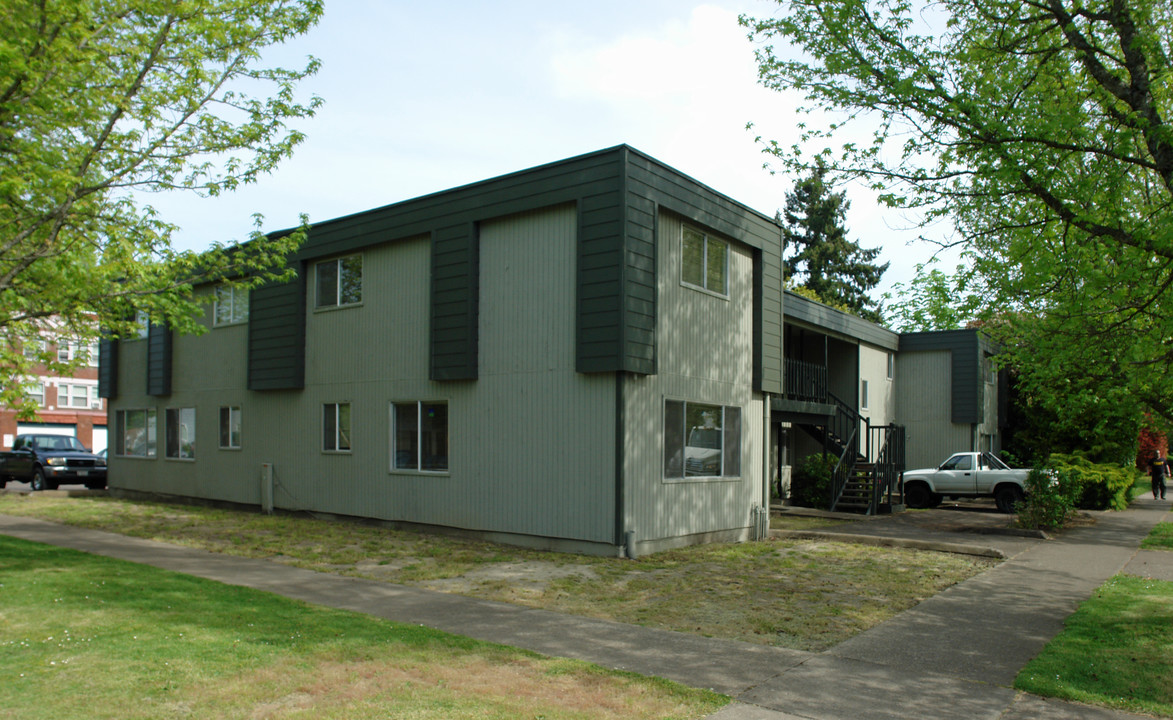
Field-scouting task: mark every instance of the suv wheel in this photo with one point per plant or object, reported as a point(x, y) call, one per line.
point(38, 481)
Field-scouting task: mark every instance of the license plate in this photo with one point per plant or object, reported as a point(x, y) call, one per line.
point(83, 473)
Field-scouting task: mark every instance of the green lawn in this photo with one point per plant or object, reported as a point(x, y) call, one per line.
point(82, 636)
point(1116, 650)
point(802, 594)
point(1161, 538)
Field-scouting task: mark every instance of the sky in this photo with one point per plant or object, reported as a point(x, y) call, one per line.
point(425, 96)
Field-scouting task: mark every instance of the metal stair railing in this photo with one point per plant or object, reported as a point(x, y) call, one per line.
point(843, 470)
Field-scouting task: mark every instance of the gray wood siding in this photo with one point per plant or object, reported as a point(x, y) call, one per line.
point(705, 357)
point(923, 407)
point(618, 191)
point(532, 442)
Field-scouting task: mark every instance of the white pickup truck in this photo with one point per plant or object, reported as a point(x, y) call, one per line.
point(967, 474)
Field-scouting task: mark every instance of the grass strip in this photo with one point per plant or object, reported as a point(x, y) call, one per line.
point(1115, 651)
point(1160, 538)
point(87, 636)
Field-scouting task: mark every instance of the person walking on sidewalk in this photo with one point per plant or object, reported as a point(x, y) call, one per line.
point(1158, 469)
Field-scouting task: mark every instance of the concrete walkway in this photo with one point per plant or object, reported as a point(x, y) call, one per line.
point(953, 656)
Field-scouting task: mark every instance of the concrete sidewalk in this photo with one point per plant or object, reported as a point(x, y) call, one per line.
point(953, 656)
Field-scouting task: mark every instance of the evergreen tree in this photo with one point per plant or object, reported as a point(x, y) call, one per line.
point(837, 270)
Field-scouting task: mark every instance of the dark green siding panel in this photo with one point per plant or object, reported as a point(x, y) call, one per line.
point(455, 296)
point(566, 181)
point(276, 335)
point(159, 339)
point(108, 368)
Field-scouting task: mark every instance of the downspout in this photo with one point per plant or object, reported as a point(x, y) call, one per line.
point(763, 530)
point(623, 538)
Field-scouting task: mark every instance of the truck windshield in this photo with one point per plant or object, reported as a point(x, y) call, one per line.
point(57, 442)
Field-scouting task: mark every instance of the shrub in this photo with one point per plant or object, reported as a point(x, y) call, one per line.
point(1049, 500)
point(1097, 486)
point(810, 484)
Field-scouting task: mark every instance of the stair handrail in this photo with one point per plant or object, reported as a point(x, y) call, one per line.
point(889, 464)
point(847, 421)
point(843, 470)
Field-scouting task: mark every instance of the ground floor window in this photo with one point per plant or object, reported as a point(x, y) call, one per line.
point(336, 427)
point(701, 440)
point(230, 428)
point(419, 436)
point(180, 424)
point(135, 433)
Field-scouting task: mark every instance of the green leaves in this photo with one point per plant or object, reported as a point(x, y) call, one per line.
point(1040, 131)
point(99, 99)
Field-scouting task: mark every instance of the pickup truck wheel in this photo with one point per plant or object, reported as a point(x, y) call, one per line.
point(38, 481)
point(1007, 498)
point(917, 495)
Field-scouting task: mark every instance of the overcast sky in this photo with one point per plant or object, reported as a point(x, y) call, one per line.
point(425, 96)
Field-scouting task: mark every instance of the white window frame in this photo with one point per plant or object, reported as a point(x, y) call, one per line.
point(864, 391)
point(33, 394)
point(175, 416)
point(337, 301)
point(891, 366)
point(235, 299)
point(419, 437)
point(66, 389)
point(333, 445)
point(235, 420)
point(706, 241)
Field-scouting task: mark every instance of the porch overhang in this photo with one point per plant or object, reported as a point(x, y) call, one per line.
point(804, 412)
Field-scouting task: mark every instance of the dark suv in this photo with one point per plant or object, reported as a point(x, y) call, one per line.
point(47, 461)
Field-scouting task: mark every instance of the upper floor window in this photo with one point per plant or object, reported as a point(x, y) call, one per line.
point(231, 305)
point(891, 366)
point(75, 395)
point(339, 281)
point(70, 350)
point(705, 261)
point(34, 348)
point(36, 393)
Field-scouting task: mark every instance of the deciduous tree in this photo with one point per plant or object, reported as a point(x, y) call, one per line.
point(102, 101)
point(1040, 130)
